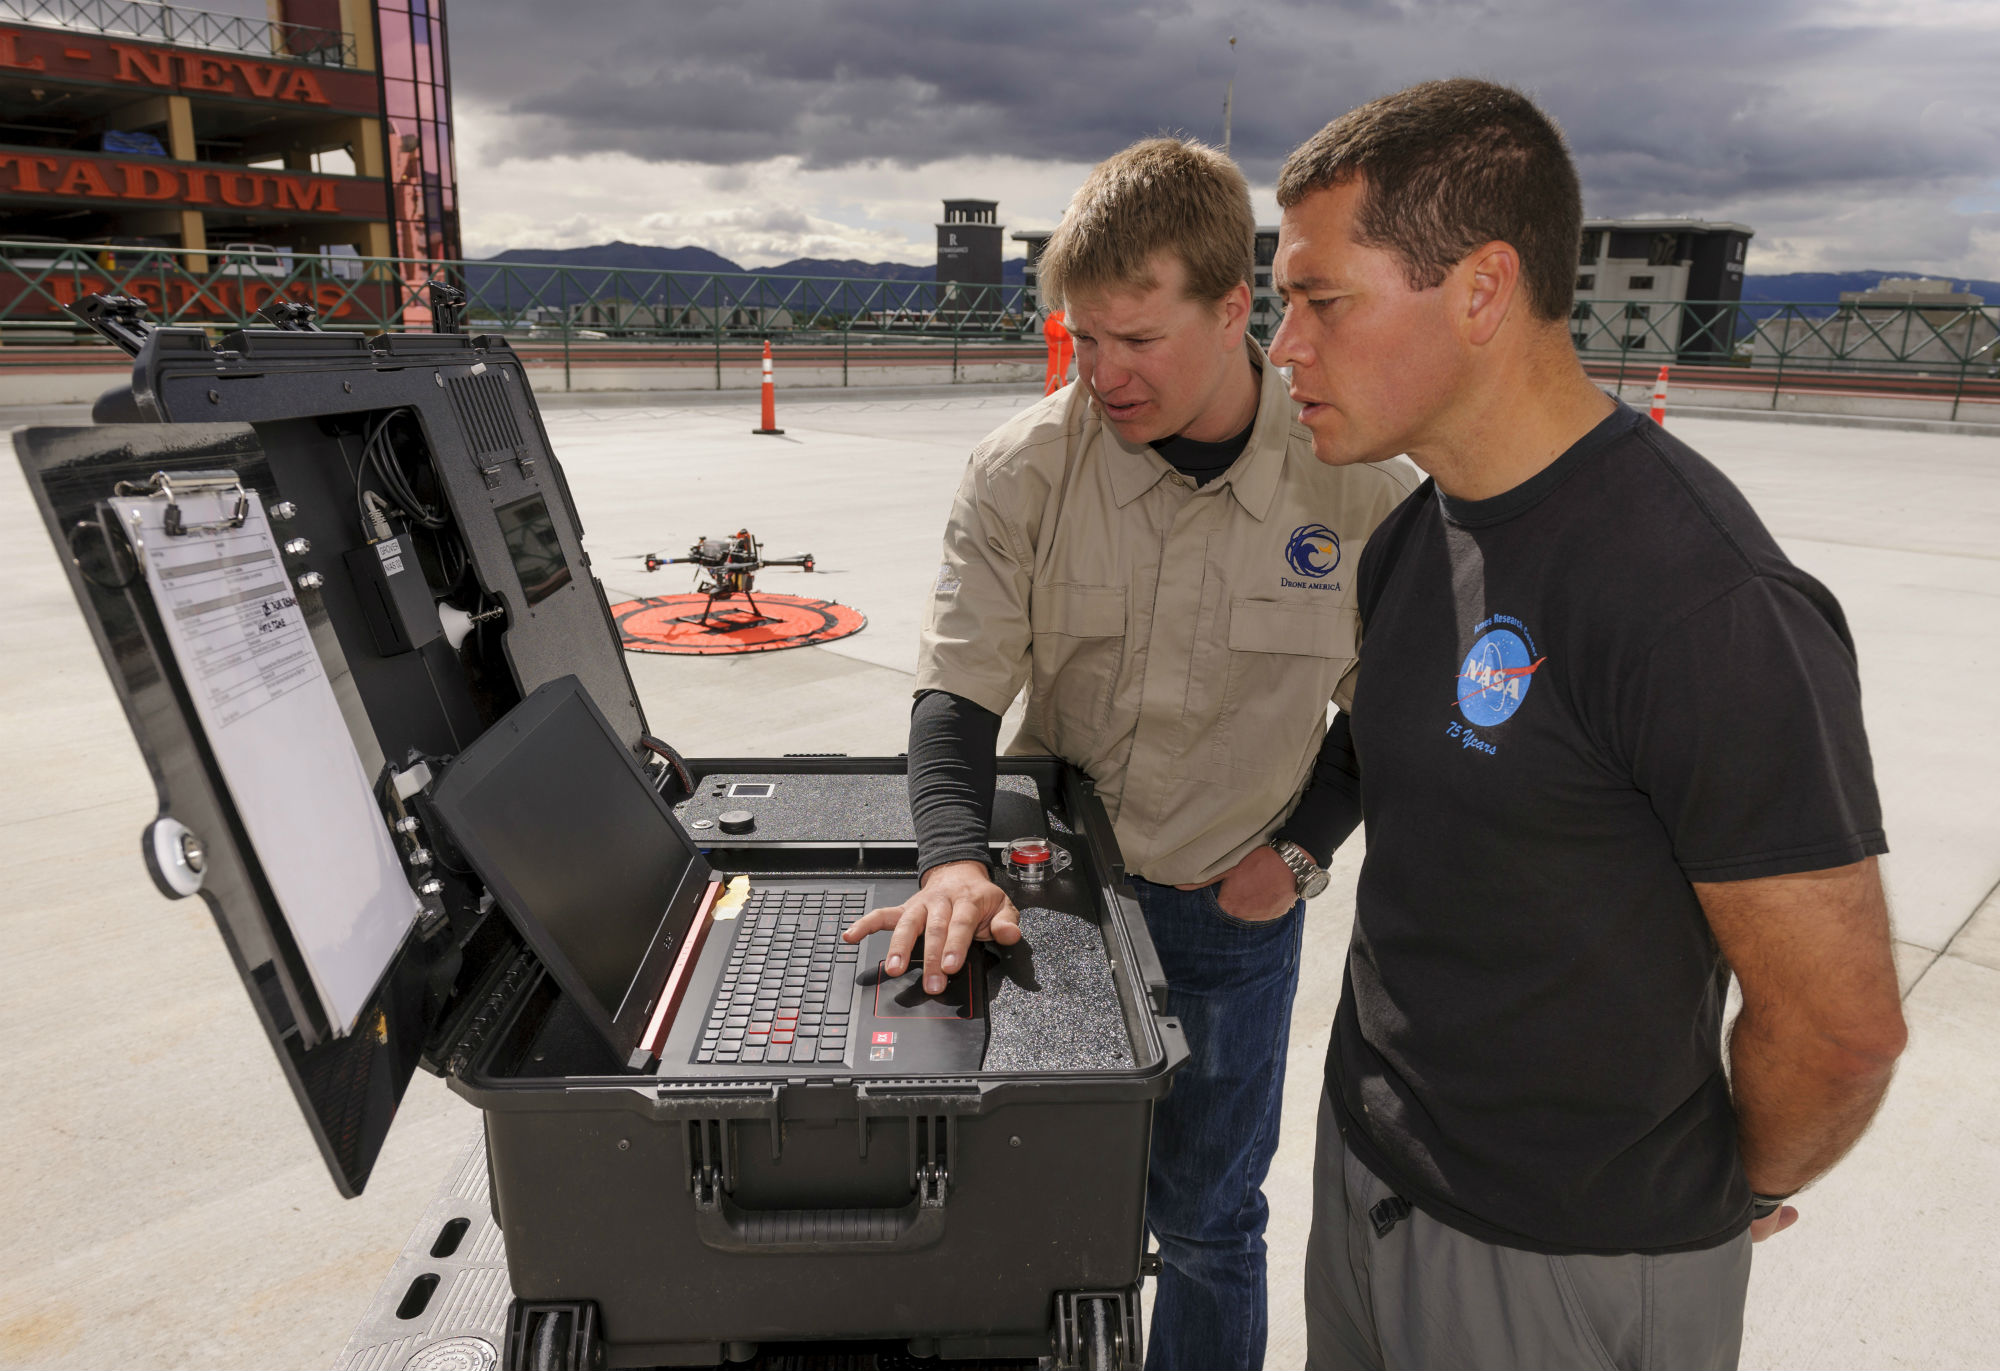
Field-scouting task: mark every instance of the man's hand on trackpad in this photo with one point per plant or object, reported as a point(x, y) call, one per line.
point(957, 903)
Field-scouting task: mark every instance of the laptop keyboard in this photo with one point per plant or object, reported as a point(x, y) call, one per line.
point(789, 987)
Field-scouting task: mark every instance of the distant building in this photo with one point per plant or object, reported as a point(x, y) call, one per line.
point(1264, 306)
point(968, 257)
point(1896, 292)
point(1635, 275)
point(326, 126)
point(1902, 321)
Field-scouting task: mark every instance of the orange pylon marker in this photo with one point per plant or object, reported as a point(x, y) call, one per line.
point(1061, 349)
point(1660, 399)
point(770, 397)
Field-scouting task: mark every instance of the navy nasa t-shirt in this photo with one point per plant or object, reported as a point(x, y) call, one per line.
point(1576, 698)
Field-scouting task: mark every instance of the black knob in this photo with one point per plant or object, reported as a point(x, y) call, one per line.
point(736, 820)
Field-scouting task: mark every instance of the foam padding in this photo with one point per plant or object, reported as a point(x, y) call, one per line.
point(1051, 1002)
point(823, 808)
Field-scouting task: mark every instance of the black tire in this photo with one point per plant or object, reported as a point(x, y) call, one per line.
point(1098, 1340)
point(551, 1347)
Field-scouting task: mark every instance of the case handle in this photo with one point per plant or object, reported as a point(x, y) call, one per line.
point(726, 1227)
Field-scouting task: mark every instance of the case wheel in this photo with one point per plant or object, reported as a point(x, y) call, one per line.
point(1097, 1330)
point(553, 1337)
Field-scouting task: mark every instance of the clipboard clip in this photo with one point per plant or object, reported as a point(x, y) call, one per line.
point(192, 483)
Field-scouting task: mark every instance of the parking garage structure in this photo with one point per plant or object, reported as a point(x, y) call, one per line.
point(321, 134)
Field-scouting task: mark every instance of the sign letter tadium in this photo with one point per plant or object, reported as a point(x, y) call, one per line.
point(309, 196)
point(84, 178)
point(233, 192)
point(143, 182)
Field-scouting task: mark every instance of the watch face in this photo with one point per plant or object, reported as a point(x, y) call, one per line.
point(1315, 883)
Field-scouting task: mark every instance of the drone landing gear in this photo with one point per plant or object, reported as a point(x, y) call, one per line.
point(730, 620)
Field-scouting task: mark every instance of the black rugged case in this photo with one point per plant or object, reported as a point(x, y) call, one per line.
point(674, 1218)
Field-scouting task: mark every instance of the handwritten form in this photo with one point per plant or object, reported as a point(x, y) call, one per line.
point(234, 625)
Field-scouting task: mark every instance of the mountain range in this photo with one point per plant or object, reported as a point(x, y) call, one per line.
point(620, 256)
point(1802, 286)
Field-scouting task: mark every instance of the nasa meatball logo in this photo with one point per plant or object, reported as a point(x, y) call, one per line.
point(1497, 672)
point(1314, 551)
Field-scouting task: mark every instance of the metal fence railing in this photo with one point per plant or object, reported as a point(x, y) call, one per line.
point(162, 23)
point(581, 316)
point(183, 286)
point(1925, 350)
point(1947, 352)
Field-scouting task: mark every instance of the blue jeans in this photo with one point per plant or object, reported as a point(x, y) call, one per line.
point(1230, 984)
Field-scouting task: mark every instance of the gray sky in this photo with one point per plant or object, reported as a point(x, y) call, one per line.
point(1848, 133)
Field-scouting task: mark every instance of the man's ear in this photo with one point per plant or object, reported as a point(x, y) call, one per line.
point(1234, 311)
point(1489, 279)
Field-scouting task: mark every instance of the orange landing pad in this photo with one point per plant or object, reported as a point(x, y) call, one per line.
point(673, 623)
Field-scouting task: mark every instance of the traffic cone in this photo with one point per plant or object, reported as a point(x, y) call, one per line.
point(770, 397)
point(1659, 397)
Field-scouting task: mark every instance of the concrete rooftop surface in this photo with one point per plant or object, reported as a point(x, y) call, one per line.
point(165, 1206)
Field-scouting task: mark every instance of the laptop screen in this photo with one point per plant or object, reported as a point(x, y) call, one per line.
point(565, 821)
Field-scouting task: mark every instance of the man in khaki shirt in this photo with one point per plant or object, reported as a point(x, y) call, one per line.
point(1157, 556)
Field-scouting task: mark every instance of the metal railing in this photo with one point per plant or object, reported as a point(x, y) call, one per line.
point(161, 23)
point(606, 315)
point(222, 288)
point(1926, 351)
point(583, 315)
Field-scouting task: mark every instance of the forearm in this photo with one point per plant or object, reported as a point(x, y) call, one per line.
point(1822, 1023)
point(1801, 1100)
point(1330, 808)
point(952, 773)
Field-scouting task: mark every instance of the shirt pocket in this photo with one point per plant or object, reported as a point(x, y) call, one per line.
point(1285, 659)
point(1079, 651)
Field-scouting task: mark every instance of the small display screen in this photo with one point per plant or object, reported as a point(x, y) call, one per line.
point(532, 543)
point(567, 823)
point(751, 790)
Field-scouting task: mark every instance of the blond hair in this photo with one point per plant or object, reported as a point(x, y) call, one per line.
point(1161, 195)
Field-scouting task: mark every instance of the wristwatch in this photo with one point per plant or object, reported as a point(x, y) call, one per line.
point(1307, 877)
point(1764, 1206)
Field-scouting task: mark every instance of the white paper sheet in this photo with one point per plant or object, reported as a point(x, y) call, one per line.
point(233, 622)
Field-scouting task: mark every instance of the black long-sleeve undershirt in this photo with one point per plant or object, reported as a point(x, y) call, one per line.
point(953, 770)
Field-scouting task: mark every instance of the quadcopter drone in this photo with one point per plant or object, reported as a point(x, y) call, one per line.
point(729, 567)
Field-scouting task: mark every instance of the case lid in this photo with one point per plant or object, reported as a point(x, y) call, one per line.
point(304, 405)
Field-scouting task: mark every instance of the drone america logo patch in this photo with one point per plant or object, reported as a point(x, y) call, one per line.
point(1494, 679)
point(1312, 551)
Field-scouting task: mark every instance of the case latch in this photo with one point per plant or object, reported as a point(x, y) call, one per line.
point(930, 1155)
point(709, 1172)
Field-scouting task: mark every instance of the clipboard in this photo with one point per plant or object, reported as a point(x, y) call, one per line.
point(261, 695)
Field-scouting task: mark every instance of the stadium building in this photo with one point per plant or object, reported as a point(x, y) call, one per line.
point(314, 128)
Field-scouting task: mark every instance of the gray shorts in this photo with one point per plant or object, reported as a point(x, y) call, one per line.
point(1428, 1296)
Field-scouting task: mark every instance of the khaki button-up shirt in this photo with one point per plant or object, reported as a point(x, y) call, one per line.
point(1178, 644)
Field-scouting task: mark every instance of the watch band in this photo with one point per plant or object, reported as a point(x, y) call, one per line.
point(1764, 1206)
point(1308, 879)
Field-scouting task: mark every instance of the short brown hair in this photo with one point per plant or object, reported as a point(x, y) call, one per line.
point(1447, 166)
point(1163, 194)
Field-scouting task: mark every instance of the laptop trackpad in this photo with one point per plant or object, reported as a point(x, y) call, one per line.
point(907, 1032)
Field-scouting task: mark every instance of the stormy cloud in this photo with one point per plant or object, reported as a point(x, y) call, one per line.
point(1810, 110)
